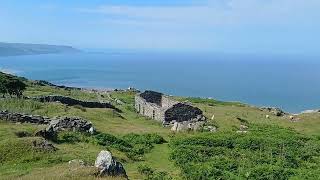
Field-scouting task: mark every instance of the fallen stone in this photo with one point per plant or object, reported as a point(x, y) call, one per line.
point(210, 128)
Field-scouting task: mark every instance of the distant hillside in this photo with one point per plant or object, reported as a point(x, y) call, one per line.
point(16, 49)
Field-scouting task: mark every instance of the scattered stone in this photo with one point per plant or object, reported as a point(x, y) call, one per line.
point(210, 128)
point(43, 145)
point(108, 166)
point(243, 127)
point(274, 110)
point(212, 118)
point(267, 116)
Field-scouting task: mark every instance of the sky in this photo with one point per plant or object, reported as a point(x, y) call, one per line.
point(228, 26)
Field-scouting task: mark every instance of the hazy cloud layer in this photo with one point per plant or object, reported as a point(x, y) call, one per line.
point(214, 13)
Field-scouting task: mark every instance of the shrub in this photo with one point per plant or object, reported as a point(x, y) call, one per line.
point(144, 138)
point(145, 170)
point(265, 152)
point(151, 174)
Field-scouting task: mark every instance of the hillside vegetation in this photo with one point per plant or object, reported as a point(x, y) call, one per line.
point(273, 148)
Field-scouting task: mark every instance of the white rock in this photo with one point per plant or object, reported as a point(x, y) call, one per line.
point(103, 160)
point(174, 127)
point(108, 166)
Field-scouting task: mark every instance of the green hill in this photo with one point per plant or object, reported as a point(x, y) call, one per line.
point(16, 49)
point(273, 148)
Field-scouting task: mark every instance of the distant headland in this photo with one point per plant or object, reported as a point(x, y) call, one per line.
point(16, 49)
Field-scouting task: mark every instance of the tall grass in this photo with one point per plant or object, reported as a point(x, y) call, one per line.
point(20, 105)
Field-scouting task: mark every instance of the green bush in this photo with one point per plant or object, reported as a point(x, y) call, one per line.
point(72, 137)
point(144, 138)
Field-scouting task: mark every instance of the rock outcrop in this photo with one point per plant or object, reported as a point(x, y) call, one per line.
point(66, 123)
point(108, 166)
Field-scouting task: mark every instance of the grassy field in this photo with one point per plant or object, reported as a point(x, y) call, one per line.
point(22, 163)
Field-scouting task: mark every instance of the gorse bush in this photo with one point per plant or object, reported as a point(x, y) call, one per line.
point(266, 152)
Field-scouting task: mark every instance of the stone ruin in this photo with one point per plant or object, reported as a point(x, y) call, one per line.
point(163, 108)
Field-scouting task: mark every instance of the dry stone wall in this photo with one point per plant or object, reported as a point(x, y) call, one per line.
point(71, 102)
point(23, 118)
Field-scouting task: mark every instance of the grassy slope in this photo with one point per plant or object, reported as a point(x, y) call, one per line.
point(107, 121)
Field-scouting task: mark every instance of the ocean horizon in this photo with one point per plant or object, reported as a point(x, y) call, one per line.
point(288, 82)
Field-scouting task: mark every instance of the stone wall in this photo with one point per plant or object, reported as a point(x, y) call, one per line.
point(168, 102)
point(54, 125)
point(150, 110)
point(71, 102)
point(23, 118)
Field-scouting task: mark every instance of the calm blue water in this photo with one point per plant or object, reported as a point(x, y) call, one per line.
point(291, 83)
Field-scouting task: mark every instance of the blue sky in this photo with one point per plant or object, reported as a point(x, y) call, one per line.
point(229, 26)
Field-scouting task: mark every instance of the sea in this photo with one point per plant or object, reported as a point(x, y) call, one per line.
point(290, 82)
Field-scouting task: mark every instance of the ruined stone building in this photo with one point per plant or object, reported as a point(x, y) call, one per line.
point(163, 108)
